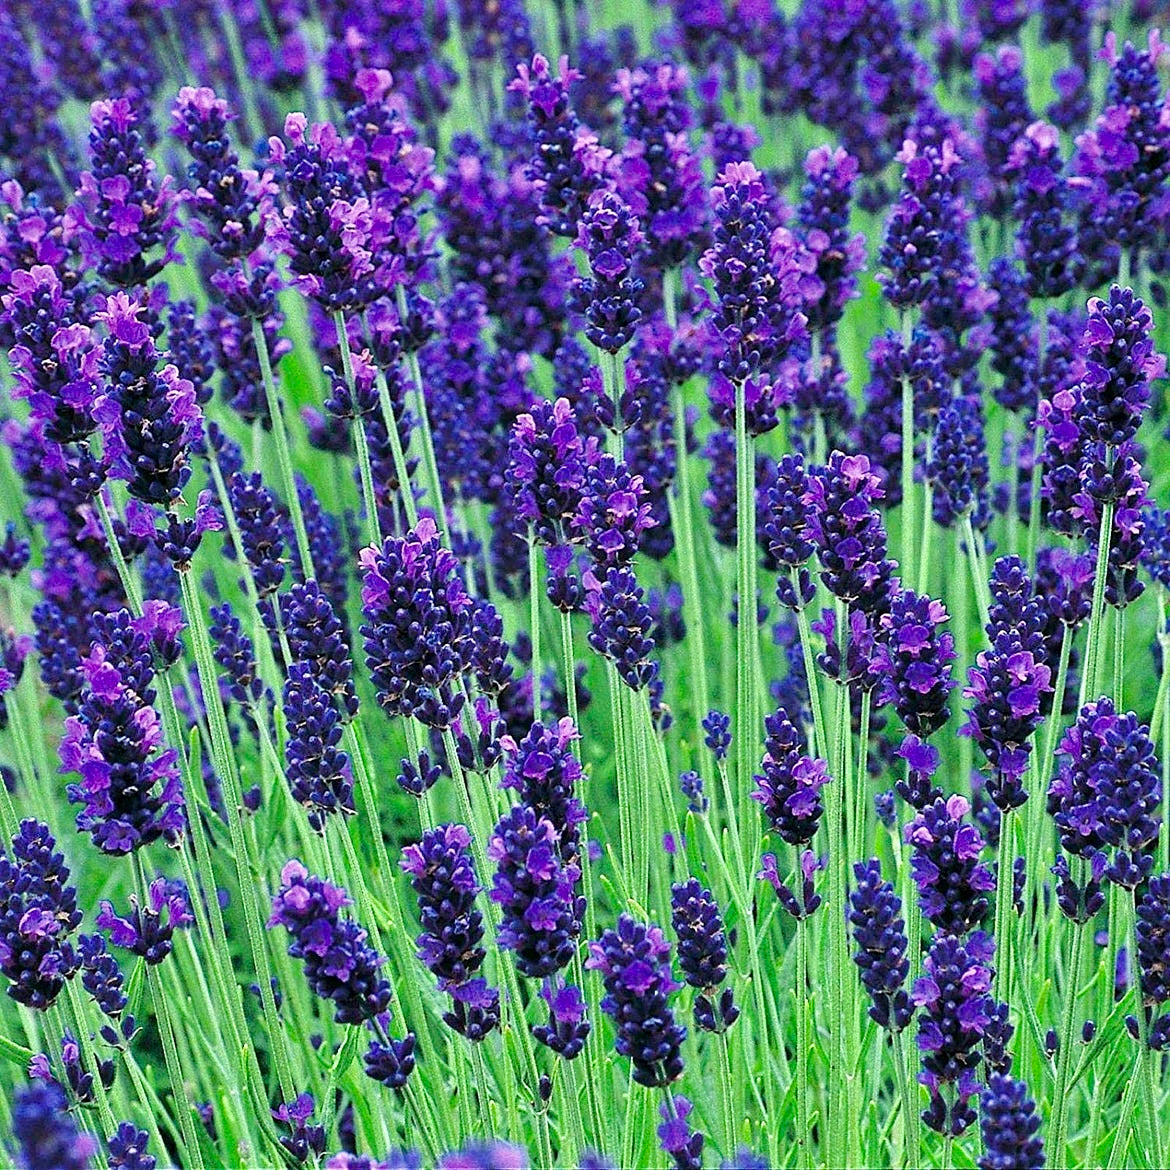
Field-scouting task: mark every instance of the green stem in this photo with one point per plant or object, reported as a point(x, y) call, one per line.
point(911, 1152)
point(192, 1149)
point(907, 453)
point(979, 577)
point(288, 481)
point(1096, 625)
point(1058, 1139)
point(534, 593)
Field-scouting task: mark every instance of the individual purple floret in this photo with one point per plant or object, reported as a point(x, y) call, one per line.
point(789, 786)
point(621, 623)
point(1107, 790)
point(128, 1149)
point(534, 888)
point(758, 317)
point(702, 953)
point(148, 930)
point(848, 533)
point(46, 1135)
point(1046, 239)
point(952, 881)
point(304, 1138)
point(418, 626)
point(1010, 1126)
point(130, 786)
point(442, 875)
point(609, 235)
point(547, 463)
point(124, 212)
point(684, 1145)
point(955, 1011)
point(634, 961)
point(880, 934)
point(914, 659)
point(317, 769)
point(38, 913)
point(14, 552)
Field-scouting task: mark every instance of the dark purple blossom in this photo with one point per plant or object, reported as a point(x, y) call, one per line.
point(317, 769)
point(621, 623)
point(45, 1134)
point(879, 932)
point(534, 888)
point(568, 1025)
point(418, 626)
point(955, 1011)
point(634, 961)
point(609, 235)
point(758, 318)
point(789, 784)
point(148, 930)
point(130, 786)
point(702, 953)
point(38, 913)
point(952, 881)
point(1106, 793)
point(124, 212)
point(1010, 1125)
point(914, 659)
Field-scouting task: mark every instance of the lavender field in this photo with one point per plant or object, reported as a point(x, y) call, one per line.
point(584, 585)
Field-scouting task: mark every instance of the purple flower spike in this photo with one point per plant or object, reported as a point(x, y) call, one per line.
point(621, 623)
point(880, 934)
point(914, 660)
point(836, 256)
point(955, 1014)
point(541, 913)
point(130, 786)
point(224, 197)
point(789, 786)
point(613, 513)
point(684, 1145)
point(125, 214)
point(702, 954)
point(46, 1135)
point(548, 460)
point(634, 961)
point(567, 165)
point(913, 247)
point(952, 881)
point(657, 172)
point(1010, 1125)
point(1125, 158)
point(326, 228)
point(318, 769)
point(1046, 240)
point(1106, 793)
point(848, 533)
point(418, 629)
point(758, 319)
point(609, 235)
point(568, 1025)
point(38, 913)
point(442, 875)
